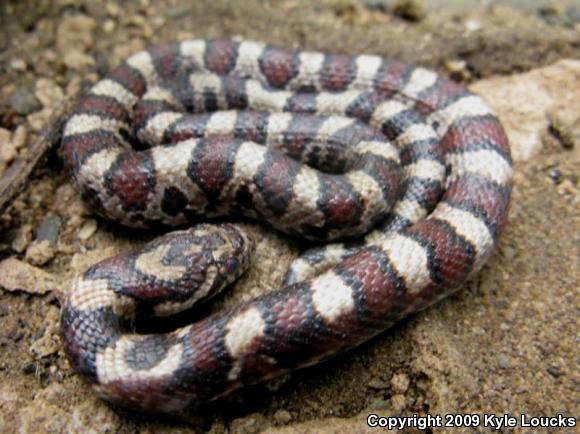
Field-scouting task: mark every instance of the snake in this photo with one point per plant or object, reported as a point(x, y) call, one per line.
point(397, 179)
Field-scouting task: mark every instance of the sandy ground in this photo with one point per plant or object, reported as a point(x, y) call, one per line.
point(506, 344)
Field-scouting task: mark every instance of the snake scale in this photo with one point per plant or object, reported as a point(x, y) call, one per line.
point(404, 175)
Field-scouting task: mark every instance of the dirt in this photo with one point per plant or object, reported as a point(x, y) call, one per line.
point(506, 344)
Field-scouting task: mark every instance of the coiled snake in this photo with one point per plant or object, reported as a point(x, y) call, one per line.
point(409, 170)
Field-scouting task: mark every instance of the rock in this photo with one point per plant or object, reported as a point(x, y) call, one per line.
point(377, 5)
point(49, 229)
point(113, 9)
point(510, 253)
point(101, 63)
point(400, 382)
point(141, 24)
point(87, 230)
point(5, 136)
point(75, 32)
point(377, 404)
point(458, 69)
point(504, 361)
point(16, 275)
point(7, 149)
point(38, 120)
point(524, 102)
point(566, 127)
point(19, 137)
point(18, 65)
point(74, 39)
point(49, 342)
point(22, 239)
point(377, 383)
point(569, 189)
point(109, 26)
point(398, 402)
point(479, 331)
point(48, 92)
point(7, 91)
point(555, 371)
point(252, 424)
point(40, 252)
point(78, 60)
point(282, 417)
point(555, 175)
point(24, 102)
point(472, 25)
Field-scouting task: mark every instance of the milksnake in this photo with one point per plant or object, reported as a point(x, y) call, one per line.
point(408, 172)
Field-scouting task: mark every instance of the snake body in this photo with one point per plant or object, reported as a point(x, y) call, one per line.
point(410, 172)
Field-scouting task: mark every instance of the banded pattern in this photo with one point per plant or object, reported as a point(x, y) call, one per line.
point(411, 168)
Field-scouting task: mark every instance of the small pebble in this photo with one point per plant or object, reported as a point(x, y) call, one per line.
point(472, 25)
point(58, 376)
point(458, 69)
point(75, 32)
point(48, 92)
point(555, 174)
point(78, 60)
point(251, 424)
point(102, 63)
point(109, 26)
point(282, 417)
point(23, 238)
point(509, 253)
point(113, 9)
point(40, 252)
point(377, 5)
point(18, 65)
point(142, 24)
point(378, 404)
point(24, 102)
point(555, 371)
point(398, 402)
point(400, 382)
point(5, 137)
point(8, 151)
point(568, 188)
point(29, 368)
point(478, 331)
point(87, 230)
point(49, 229)
point(20, 136)
point(564, 126)
point(504, 361)
point(38, 120)
point(377, 383)
point(48, 343)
